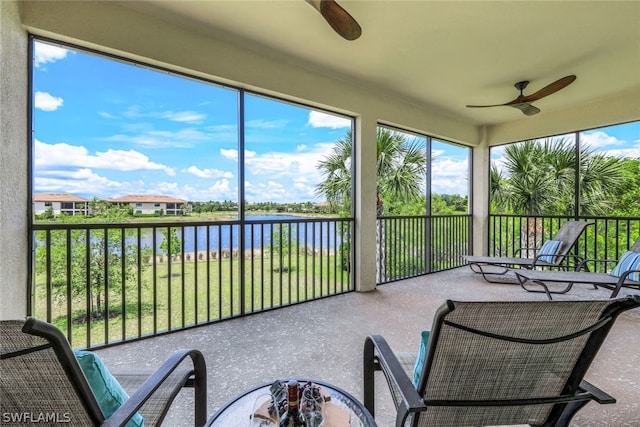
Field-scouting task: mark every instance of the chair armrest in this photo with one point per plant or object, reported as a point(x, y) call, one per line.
point(627, 273)
point(599, 396)
point(379, 356)
point(621, 282)
point(197, 377)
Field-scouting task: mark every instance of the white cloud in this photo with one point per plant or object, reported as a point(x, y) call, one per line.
point(106, 115)
point(208, 173)
point(599, 139)
point(65, 156)
point(47, 102)
point(450, 176)
point(219, 190)
point(46, 53)
point(265, 124)
point(232, 154)
point(158, 138)
point(292, 165)
point(271, 190)
point(82, 181)
point(136, 112)
point(322, 120)
point(610, 145)
point(631, 152)
point(183, 116)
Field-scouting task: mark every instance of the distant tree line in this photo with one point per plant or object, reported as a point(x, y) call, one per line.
point(230, 206)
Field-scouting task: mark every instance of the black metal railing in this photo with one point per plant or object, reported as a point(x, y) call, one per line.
point(111, 283)
point(410, 246)
point(606, 238)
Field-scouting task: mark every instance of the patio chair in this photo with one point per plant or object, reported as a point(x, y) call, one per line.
point(626, 274)
point(552, 253)
point(41, 381)
point(498, 363)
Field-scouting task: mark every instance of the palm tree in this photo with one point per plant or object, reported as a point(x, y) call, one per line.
point(539, 178)
point(401, 168)
point(336, 169)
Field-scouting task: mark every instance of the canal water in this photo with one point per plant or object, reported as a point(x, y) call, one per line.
point(293, 230)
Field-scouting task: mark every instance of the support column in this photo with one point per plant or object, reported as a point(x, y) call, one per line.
point(14, 259)
point(365, 203)
point(480, 182)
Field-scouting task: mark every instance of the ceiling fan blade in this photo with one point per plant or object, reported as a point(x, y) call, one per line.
point(526, 108)
point(523, 103)
point(484, 106)
point(549, 89)
point(338, 18)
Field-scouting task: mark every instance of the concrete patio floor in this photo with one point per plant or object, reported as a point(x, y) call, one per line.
point(323, 339)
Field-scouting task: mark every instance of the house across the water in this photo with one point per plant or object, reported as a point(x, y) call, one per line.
point(149, 204)
point(60, 203)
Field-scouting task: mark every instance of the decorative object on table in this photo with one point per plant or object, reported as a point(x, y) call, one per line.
point(313, 406)
point(293, 417)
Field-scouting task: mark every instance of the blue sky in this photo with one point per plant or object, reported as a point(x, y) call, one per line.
point(106, 128)
point(620, 141)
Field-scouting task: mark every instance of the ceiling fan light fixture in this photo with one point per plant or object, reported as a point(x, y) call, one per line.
point(526, 108)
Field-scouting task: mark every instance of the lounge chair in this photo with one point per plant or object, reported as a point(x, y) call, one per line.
point(626, 276)
point(498, 363)
point(552, 253)
point(42, 382)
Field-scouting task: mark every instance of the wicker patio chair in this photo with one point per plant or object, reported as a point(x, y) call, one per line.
point(567, 235)
point(41, 378)
point(614, 282)
point(498, 363)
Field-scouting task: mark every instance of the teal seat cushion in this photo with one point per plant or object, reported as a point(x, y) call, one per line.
point(422, 353)
point(629, 261)
point(107, 390)
point(548, 251)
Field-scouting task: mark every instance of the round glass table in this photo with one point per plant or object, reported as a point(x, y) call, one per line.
point(239, 410)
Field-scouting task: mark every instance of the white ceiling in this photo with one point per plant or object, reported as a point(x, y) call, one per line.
point(441, 54)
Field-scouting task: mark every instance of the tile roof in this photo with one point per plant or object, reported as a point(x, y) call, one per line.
point(57, 197)
point(145, 198)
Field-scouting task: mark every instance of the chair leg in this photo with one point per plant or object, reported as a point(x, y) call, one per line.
point(568, 413)
point(368, 375)
point(544, 286)
point(477, 268)
point(199, 389)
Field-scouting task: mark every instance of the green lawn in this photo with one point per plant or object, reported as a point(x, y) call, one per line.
point(171, 296)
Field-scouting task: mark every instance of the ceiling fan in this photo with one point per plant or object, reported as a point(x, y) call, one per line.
point(523, 102)
point(339, 19)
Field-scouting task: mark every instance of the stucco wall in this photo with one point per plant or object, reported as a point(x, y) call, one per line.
point(13, 163)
